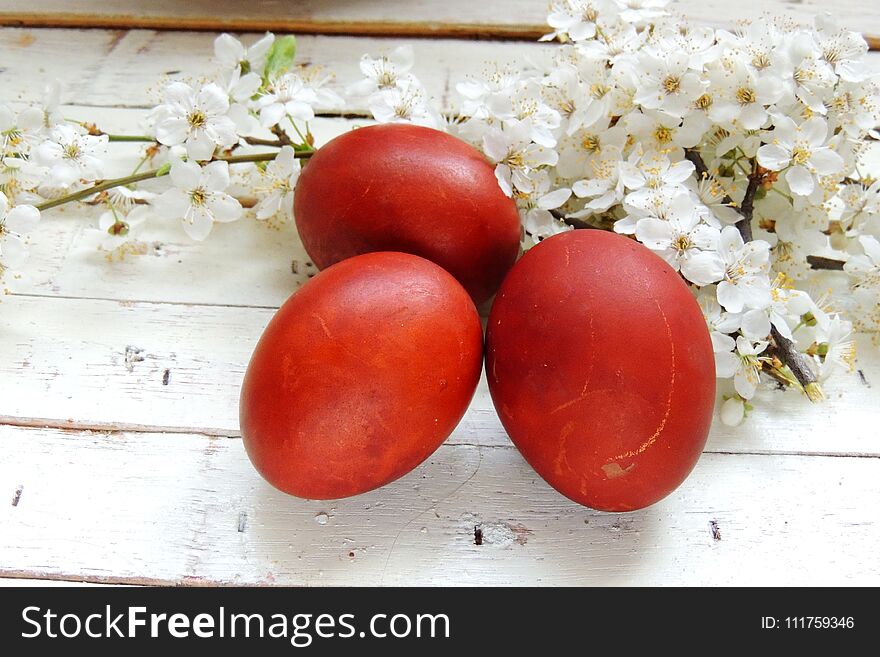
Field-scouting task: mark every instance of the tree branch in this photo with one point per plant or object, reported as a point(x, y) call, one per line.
point(830, 264)
point(790, 356)
point(278, 143)
point(785, 348)
point(746, 208)
point(574, 222)
point(104, 185)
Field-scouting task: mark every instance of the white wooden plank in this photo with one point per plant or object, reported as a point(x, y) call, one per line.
point(148, 508)
point(125, 68)
point(92, 363)
point(30, 582)
point(422, 17)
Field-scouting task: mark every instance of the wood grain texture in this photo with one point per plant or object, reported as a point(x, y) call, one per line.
point(189, 509)
point(84, 363)
point(127, 68)
point(517, 19)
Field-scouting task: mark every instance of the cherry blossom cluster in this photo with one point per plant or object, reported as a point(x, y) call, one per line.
point(734, 155)
point(204, 136)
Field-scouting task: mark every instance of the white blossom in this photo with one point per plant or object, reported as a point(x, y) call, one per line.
point(387, 71)
point(603, 186)
point(745, 284)
point(287, 98)
point(733, 411)
point(515, 154)
point(667, 83)
point(644, 174)
point(118, 229)
point(71, 156)
point(535, 200)
point(683, 241)
point(275, 189)
point(802, 151)
point(15, 224)
point(195, 117)
point(231, 53)
point(741, 96)
point(403, 105)
point(843, 49)
point(198, 197)
point(19, 131)
point(743, 364)
point(838, 347)
point(576, 20)
point(864, 268)
point(570, 96)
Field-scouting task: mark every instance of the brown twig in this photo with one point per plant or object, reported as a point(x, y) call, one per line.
point(830, 264)
point(103, 185)
point(283, 140)
point(785, 348)
point(574, 222)
point(746, 208)
point(790, 356)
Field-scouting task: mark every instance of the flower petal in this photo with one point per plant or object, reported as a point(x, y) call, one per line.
point(172, 131)
point(554, 199)
point(215, 176)
point(224, 207)
point(212, 99)
point(773, 157)
point(198, 223)
point(12, 251)
point(733, 411)
point(730, 296)
point(756, 324)
point(200, 146)
point(185, 175)
point(172, 203)
point(22, 219)
point(271, 114)
point(814, 131)
point(800, 181)
point(654, 233)
point(826, 161)
point(703, 268)
point(228, 50)
point(725, 364)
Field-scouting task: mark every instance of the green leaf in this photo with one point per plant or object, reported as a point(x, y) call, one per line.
point(281, 56)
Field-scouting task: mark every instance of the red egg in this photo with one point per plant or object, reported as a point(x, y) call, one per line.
point(400, 187)
point(601, 368)
point(360, 376)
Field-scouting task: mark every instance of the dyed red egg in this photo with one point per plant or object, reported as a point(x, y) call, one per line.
point(360, 376)
point(400, 187)
point(601, 368)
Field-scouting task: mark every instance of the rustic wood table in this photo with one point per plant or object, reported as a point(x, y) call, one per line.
point(120, 460)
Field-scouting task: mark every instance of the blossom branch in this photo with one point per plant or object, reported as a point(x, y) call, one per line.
point(130, 138)
point(786, 350)
point(104, 185)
